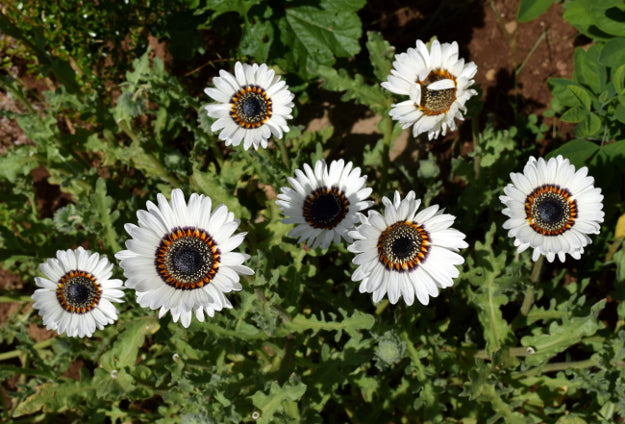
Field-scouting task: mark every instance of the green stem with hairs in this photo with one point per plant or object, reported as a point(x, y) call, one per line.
point(477, 158)
point(381, 306)
point(557, 366)
point(386, 149)
point(517, 352)
point(284, 154)
point(17, 352)
point(16, 298)
point(530, 294)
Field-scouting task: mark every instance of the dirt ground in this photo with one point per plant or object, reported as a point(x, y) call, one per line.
point(487, 34)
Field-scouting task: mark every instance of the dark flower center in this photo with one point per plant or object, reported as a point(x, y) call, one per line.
point(403, 246)
point(78, 292)
point(250, 107)
point(253, 106)
point(187, 258)
point(435, 102)
point(550, 210)
point(325, 207)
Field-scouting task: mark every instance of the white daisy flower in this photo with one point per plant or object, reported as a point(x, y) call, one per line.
point(180, 257)
point(76, 293)
point(437, 82)
point(324, 202)
point(406, 253)
point(552, 208)
point(251, 105)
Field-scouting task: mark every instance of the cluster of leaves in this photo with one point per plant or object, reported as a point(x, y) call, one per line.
point(594, 98)
point(505, 344)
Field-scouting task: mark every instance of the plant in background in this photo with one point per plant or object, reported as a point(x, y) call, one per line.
point(594, 98)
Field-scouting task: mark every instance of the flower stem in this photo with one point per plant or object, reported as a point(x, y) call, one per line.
point(386, 149)
point(477, 159)
point(381, 307)
point(217, 154)
point(284, 154)
point(17, 352)
point(16, 298)
point(530, 294)
point(557, 366)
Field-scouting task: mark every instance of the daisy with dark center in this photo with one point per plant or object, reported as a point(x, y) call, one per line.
point(76, 293)
point(324, 203)
point(180, 258)
point(552, 208)
point(252, 105)
point(438, 85)
point(404, 252)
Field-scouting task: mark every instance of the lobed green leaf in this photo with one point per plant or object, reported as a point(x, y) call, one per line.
point(531, 9)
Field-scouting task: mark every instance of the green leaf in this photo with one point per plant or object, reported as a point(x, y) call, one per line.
point(571, 420)
point(578, 151)
point(428, 168)
point(580, 14)
point(129, 106)
point(55, 397)
point(355, 89)
point(581, 95)
point(102, 207)
point(146, 162)
point(613, 53)
point(123, 352)
point(531, 9)
point(615, 150)
point(17, 163)
point(277, 399)
point(343, 5)
point(67, 219)
point(589, 126)
point(493, 144)
point(224, 6)
point(560, 89)
point(356, 321)
point(619, 261)
point(325, 34)
point(368, 386)
point(588, 70)
point(257, 40)
point(489, 296)
point(575, 114)
point(381, 53)
point(610, 17)
point(112, 383)
point(618, 79)
point(561, 336)
point(597, 20)
point(208, 182)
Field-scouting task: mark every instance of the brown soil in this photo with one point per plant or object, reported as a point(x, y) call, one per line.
point(541, 49)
